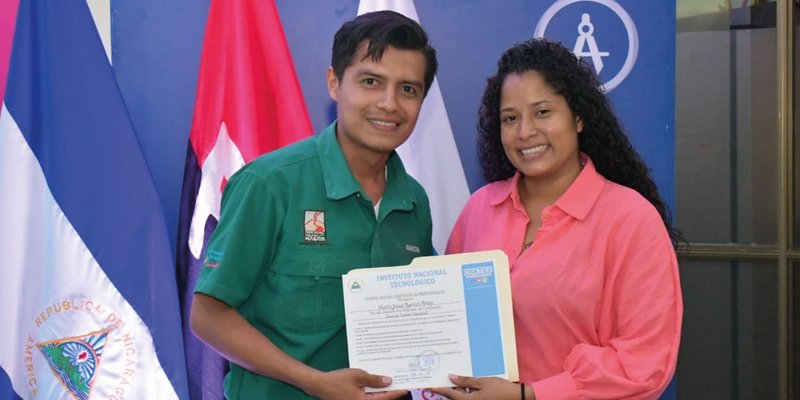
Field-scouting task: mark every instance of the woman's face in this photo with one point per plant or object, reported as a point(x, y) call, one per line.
point(538, 130)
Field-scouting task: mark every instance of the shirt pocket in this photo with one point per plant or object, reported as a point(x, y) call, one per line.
point(307, 292)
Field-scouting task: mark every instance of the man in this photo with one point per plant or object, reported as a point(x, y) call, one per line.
point(269, 297)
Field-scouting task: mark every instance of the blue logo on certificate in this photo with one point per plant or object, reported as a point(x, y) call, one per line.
point(478, 274)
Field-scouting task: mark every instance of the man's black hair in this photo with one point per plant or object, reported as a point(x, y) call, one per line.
point(381, 29)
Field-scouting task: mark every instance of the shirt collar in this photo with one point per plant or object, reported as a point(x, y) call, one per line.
point(507, 189)
point(579, 198)
point(577, 201)
point(340, 182)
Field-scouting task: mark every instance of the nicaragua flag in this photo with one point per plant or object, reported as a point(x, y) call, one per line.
point(249, 102)
point(430, 154)
point(89, 294)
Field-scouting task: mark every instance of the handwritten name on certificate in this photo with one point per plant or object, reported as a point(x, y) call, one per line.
point(439, 315)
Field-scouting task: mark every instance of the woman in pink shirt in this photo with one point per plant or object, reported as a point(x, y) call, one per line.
point(594, 278)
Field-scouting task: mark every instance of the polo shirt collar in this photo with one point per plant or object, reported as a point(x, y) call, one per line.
point(340, 182)
point(577, 201)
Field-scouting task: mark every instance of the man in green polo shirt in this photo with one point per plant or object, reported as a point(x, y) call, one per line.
point(269, 297)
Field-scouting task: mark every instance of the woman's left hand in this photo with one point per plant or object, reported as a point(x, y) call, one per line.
point(469, 388)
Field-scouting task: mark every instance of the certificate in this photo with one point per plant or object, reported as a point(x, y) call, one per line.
point(439, 315)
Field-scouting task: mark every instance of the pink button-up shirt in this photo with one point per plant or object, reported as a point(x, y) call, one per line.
point(597, 299)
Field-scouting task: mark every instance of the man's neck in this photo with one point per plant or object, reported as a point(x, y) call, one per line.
point(372, 179)
point(369, 169)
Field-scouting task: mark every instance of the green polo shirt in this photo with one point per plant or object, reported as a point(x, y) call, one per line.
point(293, 221)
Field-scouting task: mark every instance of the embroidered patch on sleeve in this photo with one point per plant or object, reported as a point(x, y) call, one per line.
point(213, 258)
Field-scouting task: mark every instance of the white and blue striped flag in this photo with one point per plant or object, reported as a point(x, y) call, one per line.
point(430, 155)
point(90, 305)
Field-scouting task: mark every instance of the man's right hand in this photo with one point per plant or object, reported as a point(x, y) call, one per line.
point(349, 384)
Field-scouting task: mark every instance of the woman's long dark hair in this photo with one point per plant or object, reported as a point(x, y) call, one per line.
point(602, 138)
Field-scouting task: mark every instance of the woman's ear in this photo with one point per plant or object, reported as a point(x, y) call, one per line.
point(578, 124)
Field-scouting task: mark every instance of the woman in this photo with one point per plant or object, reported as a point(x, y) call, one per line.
point(594, 278)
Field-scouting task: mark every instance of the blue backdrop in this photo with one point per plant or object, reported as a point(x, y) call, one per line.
point(156, 52)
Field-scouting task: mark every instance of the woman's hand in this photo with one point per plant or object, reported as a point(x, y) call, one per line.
point(492, 388)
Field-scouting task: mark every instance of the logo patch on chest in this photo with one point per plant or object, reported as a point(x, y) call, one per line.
point(314, 227)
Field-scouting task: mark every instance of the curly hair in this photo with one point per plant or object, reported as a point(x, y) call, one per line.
point(602, 138)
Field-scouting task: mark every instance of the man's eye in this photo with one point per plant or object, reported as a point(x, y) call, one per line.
point(409, 89)
point(369, 81)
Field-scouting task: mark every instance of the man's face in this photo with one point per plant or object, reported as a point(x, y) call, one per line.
point(378, 102)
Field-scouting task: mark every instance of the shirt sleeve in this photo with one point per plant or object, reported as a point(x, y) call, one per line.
point(244, 240)
point(640, 321)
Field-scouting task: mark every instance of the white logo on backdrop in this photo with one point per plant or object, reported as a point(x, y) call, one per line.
point(585, 43)
point(586, 39)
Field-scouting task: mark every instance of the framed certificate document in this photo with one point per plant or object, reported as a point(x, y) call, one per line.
point(439, 315)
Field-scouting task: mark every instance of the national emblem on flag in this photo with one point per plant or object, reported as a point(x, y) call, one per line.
point(88, 279)
point(75, 360)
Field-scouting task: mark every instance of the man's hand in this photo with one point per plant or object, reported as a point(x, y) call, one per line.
point(349, 384)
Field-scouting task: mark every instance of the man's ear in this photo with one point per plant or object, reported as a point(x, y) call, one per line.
point(333, 84)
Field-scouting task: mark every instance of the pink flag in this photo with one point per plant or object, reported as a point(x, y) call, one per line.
point(8, 14)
